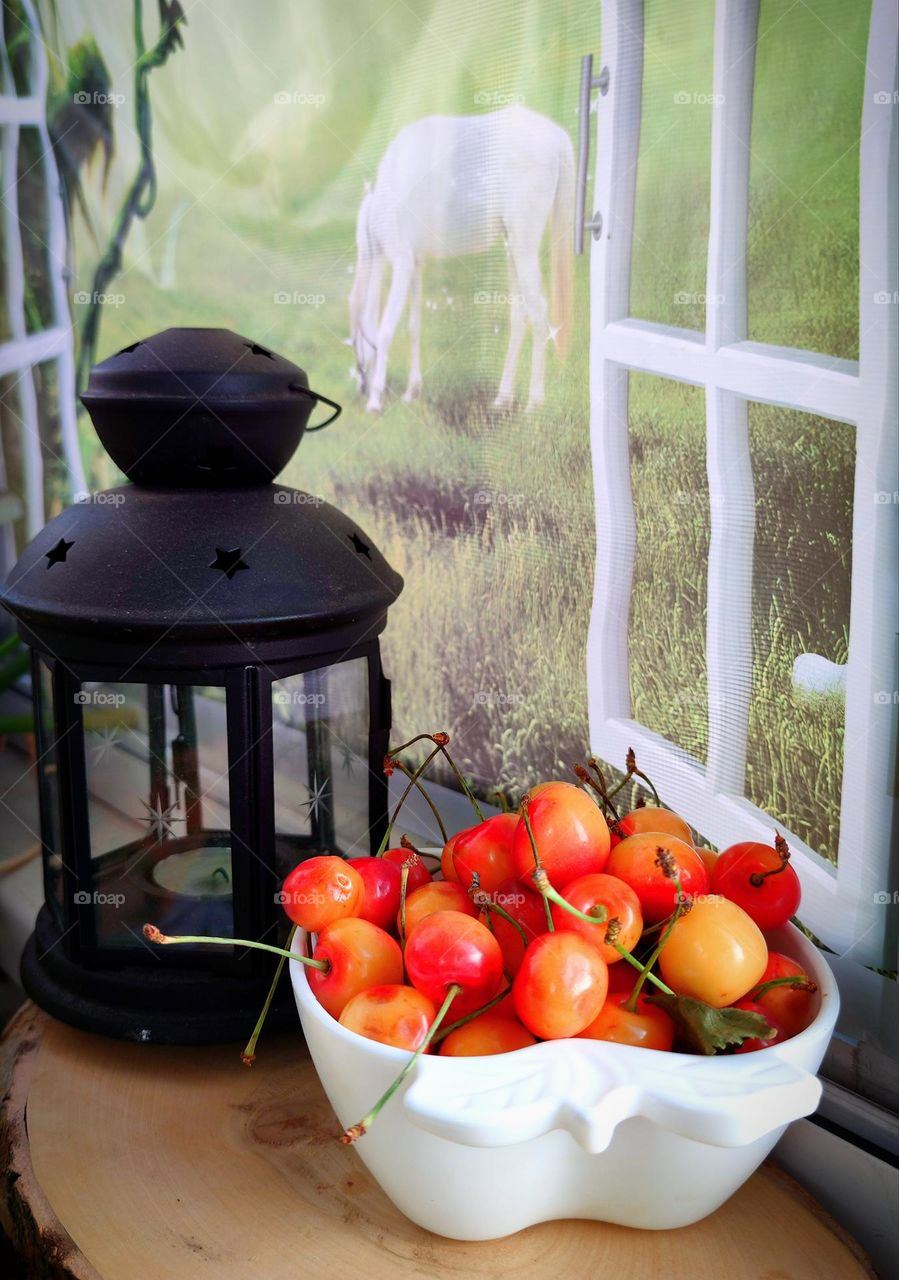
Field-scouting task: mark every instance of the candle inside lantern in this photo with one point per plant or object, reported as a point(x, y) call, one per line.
point(196, 873)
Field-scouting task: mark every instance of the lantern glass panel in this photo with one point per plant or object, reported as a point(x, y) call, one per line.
point(48, 782)
point(320, 725)
point(156, 761)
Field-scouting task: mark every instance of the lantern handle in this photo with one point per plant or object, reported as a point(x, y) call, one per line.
point(317, 395)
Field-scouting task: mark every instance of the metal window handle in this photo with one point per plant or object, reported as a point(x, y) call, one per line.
point(589, 82)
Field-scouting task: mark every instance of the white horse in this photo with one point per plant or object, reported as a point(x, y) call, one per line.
point(450, 186)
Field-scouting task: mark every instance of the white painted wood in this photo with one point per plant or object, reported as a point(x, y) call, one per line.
point(35, 348)
point(840, 904)
point(869, 810)
point(24, 393)
point(786, 376)
point(15, 110)
point(618, 143)
point(728, 460)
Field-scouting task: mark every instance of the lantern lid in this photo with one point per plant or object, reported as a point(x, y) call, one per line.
point(199, 407)
point(202, 547)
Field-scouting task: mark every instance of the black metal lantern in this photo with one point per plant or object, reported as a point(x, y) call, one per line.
point(209, 698)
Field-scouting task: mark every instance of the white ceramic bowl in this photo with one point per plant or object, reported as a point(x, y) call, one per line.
point(477, 1148)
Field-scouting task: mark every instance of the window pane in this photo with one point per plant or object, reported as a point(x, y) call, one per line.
point(803, 221)
point(668, 605)
point(48, 781)
point(804, 474)
point(157, 776)
point(671, 217)
point(320, 725)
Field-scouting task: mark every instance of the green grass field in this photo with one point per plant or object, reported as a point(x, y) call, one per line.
point(488, 640)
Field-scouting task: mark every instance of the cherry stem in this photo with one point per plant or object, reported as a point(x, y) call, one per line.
point(635, 964)
point(413, 779)
point(631, 1003)
point(441, 741)
point(356, 1131)
point(551, 928)
point(404, 880)
point(152, 934)
point(248, 1057)
point(631, 764)
point(403, 768)
point(599, 914)
point(483, 900)
point(599, 787)
point(800, 981)
point(758, 878)
point(475, 1013)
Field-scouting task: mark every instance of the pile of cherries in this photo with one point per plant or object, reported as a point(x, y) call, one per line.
point(566, 918)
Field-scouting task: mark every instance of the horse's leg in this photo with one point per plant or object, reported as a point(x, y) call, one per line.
point(528, 266)
point(401, 276)
point(517, 322)
point(413, 391)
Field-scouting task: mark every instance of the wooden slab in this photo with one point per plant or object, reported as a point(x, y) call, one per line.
point(141, 1160)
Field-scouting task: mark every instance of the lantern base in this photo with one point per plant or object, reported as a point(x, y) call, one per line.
point(155, 1006)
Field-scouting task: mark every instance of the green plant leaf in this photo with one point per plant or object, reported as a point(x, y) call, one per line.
point(707, 1030)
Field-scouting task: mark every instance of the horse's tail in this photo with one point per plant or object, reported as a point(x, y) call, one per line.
point(562, 246)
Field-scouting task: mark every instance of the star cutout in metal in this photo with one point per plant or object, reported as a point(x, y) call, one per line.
point(159, 820)
point(59, 553)
point(362, 547)
point(106, 740)
point(317, 794)
point(228, 561)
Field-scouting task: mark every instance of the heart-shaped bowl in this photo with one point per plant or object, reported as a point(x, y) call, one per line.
point(477, 1148)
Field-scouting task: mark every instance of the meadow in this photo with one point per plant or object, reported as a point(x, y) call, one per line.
point(488, 514)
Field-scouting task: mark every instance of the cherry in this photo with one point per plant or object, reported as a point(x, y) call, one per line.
point(487, 1034)
point(646, 1027)
point(359, 955)
point(561, 985)
point(321, 890)
point(486, 850)
point(621, 904)
point(418, 872)
point(391, 1014)
point(753, 1043)
point(525, 906)
point(449, 949)
point(649, 818)
point(636, 861)
point(569, 832)
point(437, 895)
point(760, 880)
point(381, 890)
point(791, 1004)
point(447, 865)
